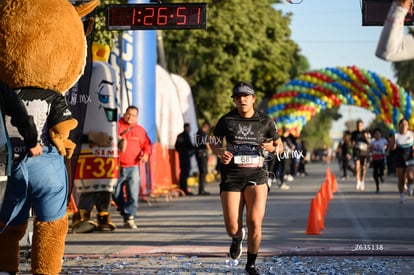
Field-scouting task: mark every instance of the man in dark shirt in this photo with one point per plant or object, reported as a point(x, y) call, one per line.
point(202, 156)
point(185, 149)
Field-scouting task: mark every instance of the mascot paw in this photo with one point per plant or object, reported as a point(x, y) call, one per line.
point(84, 227)
point(104, 221)
point(81, 222)
point(69, 148)
point(59, 135)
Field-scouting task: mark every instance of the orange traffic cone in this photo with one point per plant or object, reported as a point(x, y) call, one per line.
point(323, 201)
point(326, 192)
point(320, 210)
point(313, 224)
point(328, 187)
point(328, 176)
point(334, 184)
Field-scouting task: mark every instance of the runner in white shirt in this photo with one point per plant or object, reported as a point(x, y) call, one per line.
point(403, 142)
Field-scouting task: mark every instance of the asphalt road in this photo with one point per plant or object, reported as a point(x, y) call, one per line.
point(356, 224)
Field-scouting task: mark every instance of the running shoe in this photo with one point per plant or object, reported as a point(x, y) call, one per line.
point(251, 270)
point(236, 246)
point(130, 223)
point(410, 190)
point(284, 186)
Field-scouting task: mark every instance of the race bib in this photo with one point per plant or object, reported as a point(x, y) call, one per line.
point(248, 161)
point(362, 146)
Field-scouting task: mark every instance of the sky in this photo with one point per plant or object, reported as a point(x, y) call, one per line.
point(330, 34)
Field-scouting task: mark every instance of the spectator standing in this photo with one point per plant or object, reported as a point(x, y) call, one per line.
point(377, 149)
point(202, 156)
point(279, 165)
point(186, 150)
point(135, 149)
point(393, 44)
point(303, 159)
point(289, 145)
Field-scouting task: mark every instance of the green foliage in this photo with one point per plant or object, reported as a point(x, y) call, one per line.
point(404, 71)
point(244, 40)
point(316, 131)
point(102, 35)
point(385, 131)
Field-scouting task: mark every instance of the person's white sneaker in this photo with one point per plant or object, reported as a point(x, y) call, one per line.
point(130, 224)
point(284, 186)
point(401, 198)
point(410, 190)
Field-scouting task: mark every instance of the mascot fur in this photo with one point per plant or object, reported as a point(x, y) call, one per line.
point(42, 46)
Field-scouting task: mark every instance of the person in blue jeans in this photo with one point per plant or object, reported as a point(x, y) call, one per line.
point(38, 181)
point(135, 149)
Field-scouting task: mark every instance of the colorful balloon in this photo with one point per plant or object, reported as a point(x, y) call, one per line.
point(300, 99)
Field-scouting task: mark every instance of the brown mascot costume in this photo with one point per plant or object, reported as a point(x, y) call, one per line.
point(42, 54)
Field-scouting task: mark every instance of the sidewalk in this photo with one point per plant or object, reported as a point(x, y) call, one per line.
point(365, 233)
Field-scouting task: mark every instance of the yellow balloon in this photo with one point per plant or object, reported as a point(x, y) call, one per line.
point(100, 52)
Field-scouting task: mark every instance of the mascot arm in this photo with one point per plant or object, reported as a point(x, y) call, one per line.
point(60, 123)
point(59, 134)
point(12, 106)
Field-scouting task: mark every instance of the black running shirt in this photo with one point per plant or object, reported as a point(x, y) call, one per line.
point(47, 108)
point(243, 137)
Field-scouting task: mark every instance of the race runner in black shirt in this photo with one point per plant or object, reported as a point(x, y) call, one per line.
point(250, 138)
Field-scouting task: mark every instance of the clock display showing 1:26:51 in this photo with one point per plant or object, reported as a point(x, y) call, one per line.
point(156, 16)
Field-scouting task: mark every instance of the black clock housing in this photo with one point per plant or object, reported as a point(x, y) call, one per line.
point(156, 16)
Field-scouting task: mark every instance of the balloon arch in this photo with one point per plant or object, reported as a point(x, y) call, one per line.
point(299, 100)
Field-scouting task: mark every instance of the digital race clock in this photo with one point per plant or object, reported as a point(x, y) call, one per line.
point(156, 16)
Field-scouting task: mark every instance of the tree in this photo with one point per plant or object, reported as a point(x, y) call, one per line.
point(244, 40)
point(404, 71)
point(316, 131)
point(102, 35)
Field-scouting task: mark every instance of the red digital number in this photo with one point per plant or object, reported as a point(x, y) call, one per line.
point(162, 18)
point(181, 15)
point(198, 15)
point(134, 12)
point(197, 19)
point(154, 16)
point(149, 17)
